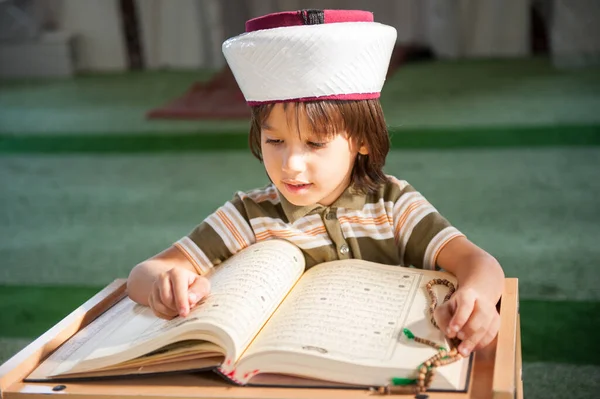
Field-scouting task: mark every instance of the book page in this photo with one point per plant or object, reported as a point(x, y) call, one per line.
point(344, 310)
point(85, 341)
point(245, 290)
point(343, 322)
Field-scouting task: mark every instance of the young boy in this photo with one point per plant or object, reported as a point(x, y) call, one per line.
point(313, 80)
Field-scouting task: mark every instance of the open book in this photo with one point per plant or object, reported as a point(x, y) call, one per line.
point(268, 322)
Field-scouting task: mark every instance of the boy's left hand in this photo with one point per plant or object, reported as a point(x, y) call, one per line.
point(469, 317)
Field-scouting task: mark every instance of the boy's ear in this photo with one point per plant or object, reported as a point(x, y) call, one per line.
point(363, 150)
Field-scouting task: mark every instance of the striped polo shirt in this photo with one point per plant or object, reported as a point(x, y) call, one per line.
point(394, 225)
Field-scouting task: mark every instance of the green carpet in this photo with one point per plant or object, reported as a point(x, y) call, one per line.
point(506, 150)
point(72, 219)
point(441, 104)
point(560, 381)
point(401, 138)
point(28, 311)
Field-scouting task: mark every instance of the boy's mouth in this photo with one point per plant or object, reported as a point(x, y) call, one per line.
point(297, 187)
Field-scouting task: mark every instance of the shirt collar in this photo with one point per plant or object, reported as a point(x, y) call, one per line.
point(350, 199)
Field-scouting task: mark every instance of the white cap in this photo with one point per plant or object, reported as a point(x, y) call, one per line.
point(311, 55)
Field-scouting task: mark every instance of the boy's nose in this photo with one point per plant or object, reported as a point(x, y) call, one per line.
point(294, 162)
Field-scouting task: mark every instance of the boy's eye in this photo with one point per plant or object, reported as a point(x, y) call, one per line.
point(316, 145)
point(273, 141)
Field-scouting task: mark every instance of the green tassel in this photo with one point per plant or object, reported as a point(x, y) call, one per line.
point(408, 334)
point(402, 381)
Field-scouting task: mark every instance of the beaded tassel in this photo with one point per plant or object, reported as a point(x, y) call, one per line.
point(426, 371)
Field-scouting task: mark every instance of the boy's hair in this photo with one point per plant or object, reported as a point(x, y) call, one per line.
point(363, 120)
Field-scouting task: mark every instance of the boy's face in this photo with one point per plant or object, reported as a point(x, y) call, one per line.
point(304, 169)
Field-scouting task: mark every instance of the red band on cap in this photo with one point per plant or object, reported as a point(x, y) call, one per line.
point(293, 18)
point(344, 97)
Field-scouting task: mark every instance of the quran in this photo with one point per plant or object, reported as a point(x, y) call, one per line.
point(268, 322)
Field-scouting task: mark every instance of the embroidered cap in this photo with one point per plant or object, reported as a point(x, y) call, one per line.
point(311, 55)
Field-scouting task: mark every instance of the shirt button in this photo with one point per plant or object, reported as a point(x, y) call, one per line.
point(330, 216)
point(344, 249)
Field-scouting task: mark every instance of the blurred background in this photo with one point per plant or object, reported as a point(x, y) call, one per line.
point(121, 128)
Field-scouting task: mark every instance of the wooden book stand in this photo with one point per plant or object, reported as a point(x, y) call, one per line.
point(496, 371)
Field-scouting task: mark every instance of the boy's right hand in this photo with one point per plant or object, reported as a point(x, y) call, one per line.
point(176, 291)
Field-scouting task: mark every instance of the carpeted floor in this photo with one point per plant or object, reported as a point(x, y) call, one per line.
point(78, 216)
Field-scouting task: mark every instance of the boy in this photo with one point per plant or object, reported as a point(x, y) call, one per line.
point(313, 80)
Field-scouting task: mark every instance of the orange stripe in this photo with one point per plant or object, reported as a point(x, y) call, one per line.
point(313, 232)
point(383, 219)
point(436, 254)
point(288, 234)
point(405, 215)
point(316, 231)
point(189, 257)
point(271, 233)
point(229, 224)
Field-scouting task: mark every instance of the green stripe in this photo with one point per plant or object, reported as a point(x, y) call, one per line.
point(496, 136)
point(552, 331)
point(525, 136)
point(28, 311)
point(560, 331)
